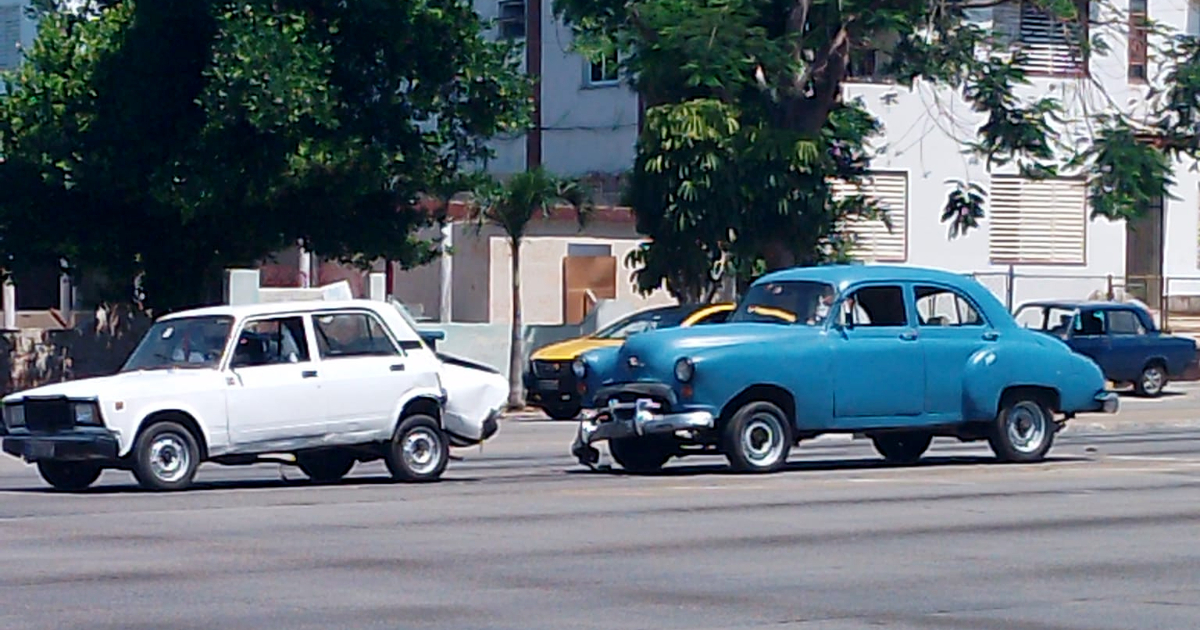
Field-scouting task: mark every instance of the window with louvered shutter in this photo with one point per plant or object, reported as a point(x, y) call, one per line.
point(10, 36)
point(1139, 32)
point(873, 240)
point(1053, 46)
point(1037, 221)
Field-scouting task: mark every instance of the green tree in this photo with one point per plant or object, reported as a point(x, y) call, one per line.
point(511, 206)
point(168, 140)
point(746, 125)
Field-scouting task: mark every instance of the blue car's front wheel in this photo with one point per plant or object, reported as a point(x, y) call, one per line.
point(758, 438)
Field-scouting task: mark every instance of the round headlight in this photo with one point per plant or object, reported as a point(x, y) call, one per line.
point(580, 368)
point(684, 370)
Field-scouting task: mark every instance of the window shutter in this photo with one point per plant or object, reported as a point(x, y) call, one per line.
point(1037, 221)
point(1051, 46)
point(873, 240)
point(10, 36)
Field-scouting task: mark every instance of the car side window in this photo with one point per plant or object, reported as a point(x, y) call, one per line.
point(1124, 323)
point(874, 306)
point(1089, 323)
point(352, 335)
point(271, 341)
point(938, 306)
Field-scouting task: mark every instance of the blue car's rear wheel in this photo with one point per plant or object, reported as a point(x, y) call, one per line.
point(1152, 381)
point(905, 447)
point(1024, 429)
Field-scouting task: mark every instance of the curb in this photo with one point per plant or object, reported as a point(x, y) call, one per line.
point(1077, 427)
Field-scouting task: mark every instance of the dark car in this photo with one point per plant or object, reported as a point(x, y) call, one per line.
point(548, 379)
point(1121, 338)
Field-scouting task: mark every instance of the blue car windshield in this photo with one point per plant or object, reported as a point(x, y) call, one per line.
point(788, 302)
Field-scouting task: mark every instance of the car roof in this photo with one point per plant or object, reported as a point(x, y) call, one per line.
point(272, 308)
point(836, 274)
point(1079, 304)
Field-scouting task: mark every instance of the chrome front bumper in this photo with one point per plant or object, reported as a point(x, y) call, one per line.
point(1108, 401)
point(643, 422)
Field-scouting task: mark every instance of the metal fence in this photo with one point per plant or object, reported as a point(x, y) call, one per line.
point(1168, 297)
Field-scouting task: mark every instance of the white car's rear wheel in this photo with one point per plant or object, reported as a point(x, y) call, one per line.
point(418, 451)
point(325, 466)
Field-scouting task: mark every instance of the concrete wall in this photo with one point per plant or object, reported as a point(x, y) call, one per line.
point(489, 343)
point(480, 268)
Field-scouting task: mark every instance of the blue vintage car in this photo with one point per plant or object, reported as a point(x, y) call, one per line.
point(901, 354)
point(1120, 337)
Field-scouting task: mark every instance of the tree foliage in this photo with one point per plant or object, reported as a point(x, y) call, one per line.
point(746, 123)
point(512, 205)
point(167, 140)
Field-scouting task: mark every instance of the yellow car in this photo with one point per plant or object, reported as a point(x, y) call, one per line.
point(549, 381)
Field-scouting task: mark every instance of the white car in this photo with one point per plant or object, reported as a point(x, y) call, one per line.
point(330, 383)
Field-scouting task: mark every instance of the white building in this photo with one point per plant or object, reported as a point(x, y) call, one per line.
point(1042, 229)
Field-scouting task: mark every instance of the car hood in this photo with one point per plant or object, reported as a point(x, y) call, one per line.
point(700, 337)
point(571, 348)
point(125, 384)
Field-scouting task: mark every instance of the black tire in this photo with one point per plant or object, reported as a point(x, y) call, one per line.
point(902, 447)
point(428, 450)
point(69, 476)
point(165, 457)
point(757, 438)
point(1152, 382)
point(325, 466)
point(1023, 431)
point(641, 454)
point(565, 411)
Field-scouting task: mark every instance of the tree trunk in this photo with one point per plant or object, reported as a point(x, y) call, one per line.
point(516, 354)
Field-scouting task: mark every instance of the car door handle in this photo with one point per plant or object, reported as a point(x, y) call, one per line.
point(397, 367)
point(308, 374)
point(991, 335)
point(908, 336)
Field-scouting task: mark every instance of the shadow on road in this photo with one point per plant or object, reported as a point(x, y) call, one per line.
point(825, 465)
point(716, 468)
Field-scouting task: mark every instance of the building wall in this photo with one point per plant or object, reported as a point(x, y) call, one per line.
point(924, 130)
point(584, 129)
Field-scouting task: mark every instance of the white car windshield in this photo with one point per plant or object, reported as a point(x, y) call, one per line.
point(189, 342)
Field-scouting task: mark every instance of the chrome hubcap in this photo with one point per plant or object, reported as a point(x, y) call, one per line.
point(762, 440)
point(1152, 379)
point(169, 458)
point(421, 451)
point(1026, 426)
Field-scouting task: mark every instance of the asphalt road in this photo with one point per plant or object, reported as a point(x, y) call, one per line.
point(1105, 535)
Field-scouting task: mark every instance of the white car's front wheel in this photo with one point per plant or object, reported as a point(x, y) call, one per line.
point(418, 451)
point(69, 476)
point(166, 457)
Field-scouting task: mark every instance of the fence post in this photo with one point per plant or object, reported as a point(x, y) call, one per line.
point(1008, 290)
point(1166, 307)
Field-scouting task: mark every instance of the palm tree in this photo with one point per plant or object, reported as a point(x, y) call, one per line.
point(511, 206)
